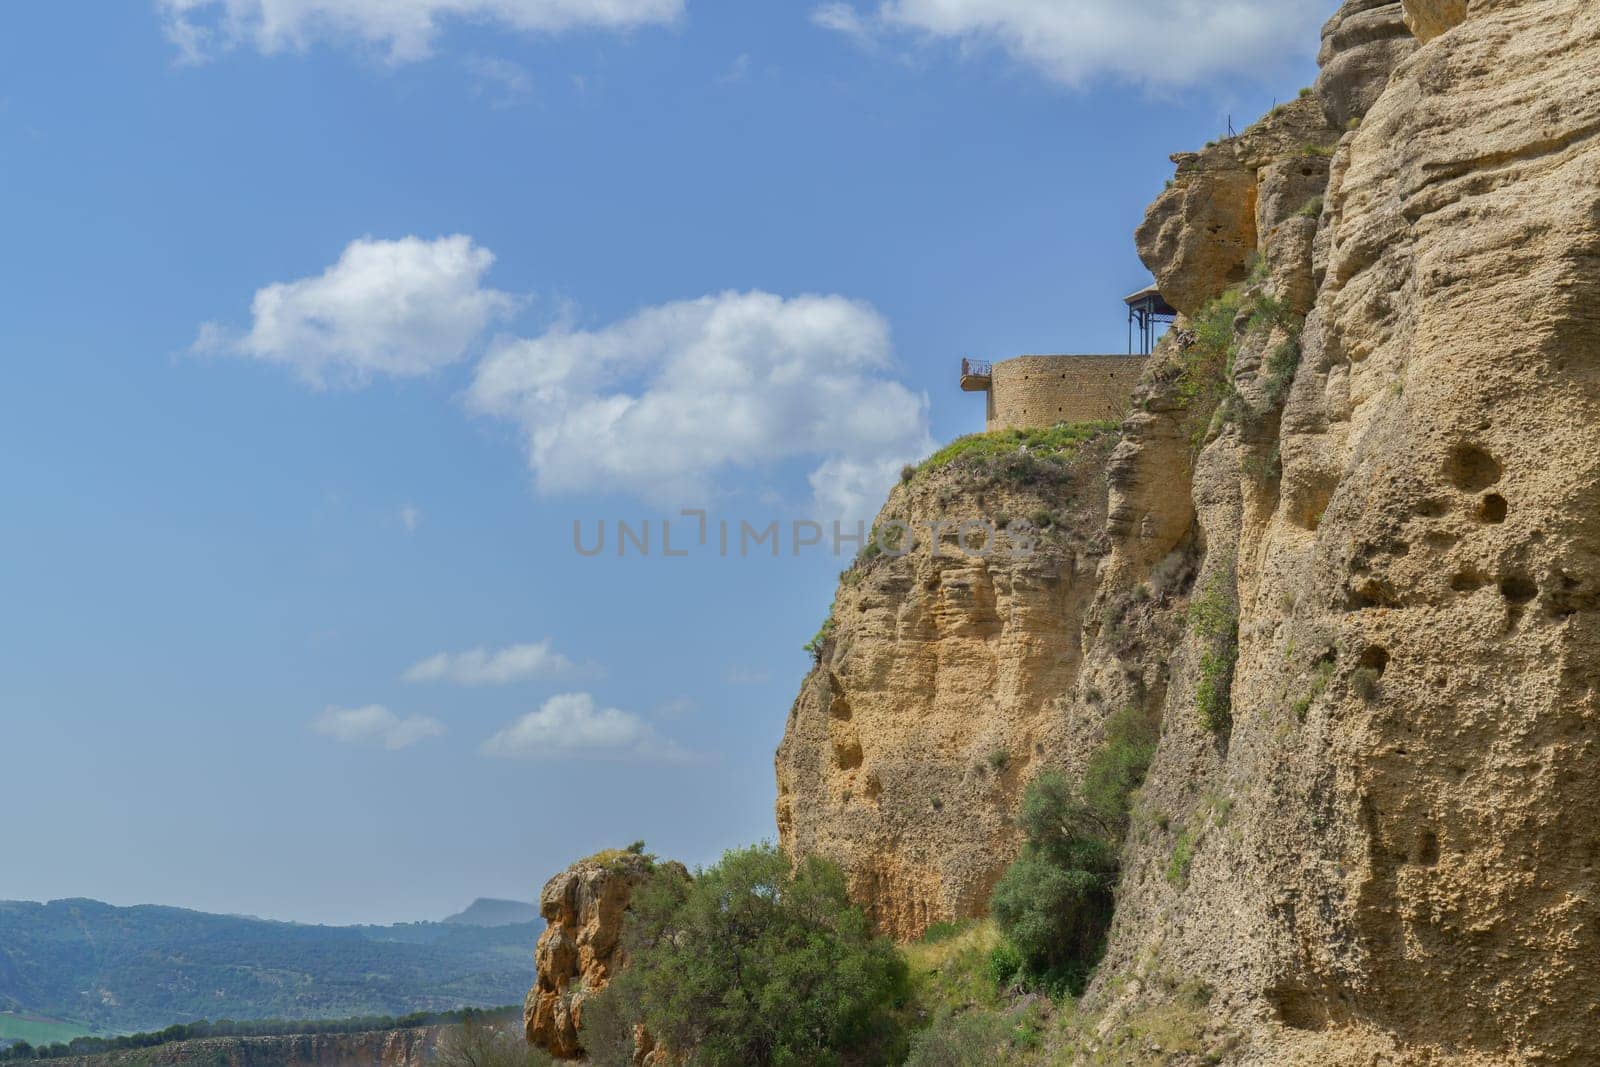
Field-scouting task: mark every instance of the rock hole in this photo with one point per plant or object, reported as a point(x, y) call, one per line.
point(847, 754)
point(1468, 582)
point(1375, 659)
point(1298, 1009)
point(839, 708)
point(1518, 589)
point(1369, 594)
point(1432, 509)
point(1471, 469)
point(1426, 853)
point(1492, 509)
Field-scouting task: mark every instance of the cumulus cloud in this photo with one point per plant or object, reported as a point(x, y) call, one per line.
point(405, 29)
point(573, 726)
point(662, 403)
point(483, 666)
point(1078, 41)
point(403, 308)
point(375, 725)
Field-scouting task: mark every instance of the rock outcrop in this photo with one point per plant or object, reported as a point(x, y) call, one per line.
point(1429, 18)
point(1203, 233)
point(1383, 849)
point(941, 689)
point(581, 947)
point(1361, 47)
point(377, 1048)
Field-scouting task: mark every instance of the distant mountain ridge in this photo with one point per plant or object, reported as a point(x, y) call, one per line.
point(120, 969)
point(489, 911)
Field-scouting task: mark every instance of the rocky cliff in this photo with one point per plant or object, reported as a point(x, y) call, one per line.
point(1369, 457)
point(581, 947)
point(380, 1048)
point(940, 686)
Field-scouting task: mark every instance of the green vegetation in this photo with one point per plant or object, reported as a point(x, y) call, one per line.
point(1311, 209)
point(1214, 617)
point(1322, 151)
point(1319, 685)
point(36, 1030)
point(1206, 365)
point(1182, 857)
point(91, 1046)
point(124, 969)
point(819, 640)
point(1054, 903)
point(479, 1042)
point(752, 963)
point(1059, 443)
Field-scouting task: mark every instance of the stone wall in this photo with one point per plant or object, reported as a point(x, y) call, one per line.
point(1037, 391)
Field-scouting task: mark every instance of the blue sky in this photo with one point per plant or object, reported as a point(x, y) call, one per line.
point(324, 320)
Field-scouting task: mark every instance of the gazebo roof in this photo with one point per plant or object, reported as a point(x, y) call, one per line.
point(1150, 295)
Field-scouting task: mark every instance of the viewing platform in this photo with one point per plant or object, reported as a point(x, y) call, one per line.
point(1035, 392)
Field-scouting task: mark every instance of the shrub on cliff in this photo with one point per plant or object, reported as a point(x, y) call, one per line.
point(753, 963)
point(1054, 903)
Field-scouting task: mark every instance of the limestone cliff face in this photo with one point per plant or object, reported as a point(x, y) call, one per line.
point(942, 689)
point(381, 1048)
point(1389, 851)
point(1395, 846)
point(581, 947)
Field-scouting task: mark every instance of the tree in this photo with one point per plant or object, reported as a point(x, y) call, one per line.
point(752, 964)
point(1055, 902)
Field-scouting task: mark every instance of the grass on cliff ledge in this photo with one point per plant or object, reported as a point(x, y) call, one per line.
point(1059, 442)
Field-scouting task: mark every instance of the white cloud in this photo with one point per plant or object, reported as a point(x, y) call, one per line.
point(501, 666)
point(571, 726)
point(677, 708)
point(503, 82)
point(404, 308)
point(1161, 43)
point(375, 725)
point(411, 517)
point(664, 402)
point(842, 18)
point(404, 28)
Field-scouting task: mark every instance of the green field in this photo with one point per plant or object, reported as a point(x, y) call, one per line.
point(37, 1030)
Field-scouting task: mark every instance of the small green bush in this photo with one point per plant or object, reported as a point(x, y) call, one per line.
point(1004, 963)
point(1364, 683)
point(974, 1039)
point(1214, 617)
point(1182, 857)
point(819, 641)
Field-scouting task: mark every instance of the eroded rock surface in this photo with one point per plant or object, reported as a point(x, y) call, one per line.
point(942, 690)
point(1386, 852)
point(1361, 47)
point(581, 948)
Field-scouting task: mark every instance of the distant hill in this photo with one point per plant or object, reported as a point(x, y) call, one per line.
point(486, 911)
point(116, 969)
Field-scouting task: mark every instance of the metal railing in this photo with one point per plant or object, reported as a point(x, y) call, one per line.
point(976, 368)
